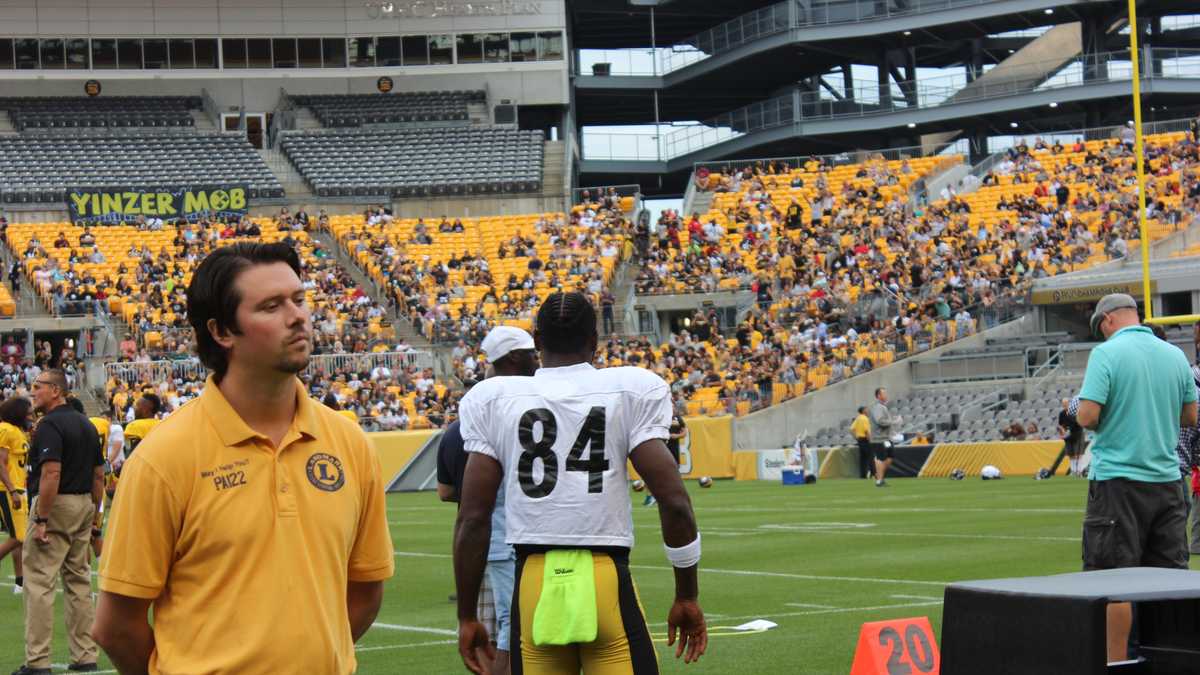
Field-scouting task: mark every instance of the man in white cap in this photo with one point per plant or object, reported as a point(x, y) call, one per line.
point(1136, 394)
point(511, 352)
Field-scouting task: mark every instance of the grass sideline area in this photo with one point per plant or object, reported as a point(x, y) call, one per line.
point(818, 560)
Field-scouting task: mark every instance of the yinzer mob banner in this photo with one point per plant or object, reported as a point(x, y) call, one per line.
point(105, 206)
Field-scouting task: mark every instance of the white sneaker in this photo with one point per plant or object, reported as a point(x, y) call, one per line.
point(17, 590)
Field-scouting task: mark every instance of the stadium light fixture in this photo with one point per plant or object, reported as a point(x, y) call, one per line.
point(907, 33)
point(1049, 10)
point(1053, 104)
point(912, 125)
point(1012, 124)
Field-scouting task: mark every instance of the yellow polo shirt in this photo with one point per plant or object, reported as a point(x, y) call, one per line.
point(861, 427)
point(247, 550)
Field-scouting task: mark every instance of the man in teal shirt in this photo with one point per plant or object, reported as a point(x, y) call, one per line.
point(1136, 393)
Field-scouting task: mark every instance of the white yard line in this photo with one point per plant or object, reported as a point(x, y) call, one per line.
point(802, 577)
point(417, 554)
point(414, 645)
point(415, 629)
point(912, 535)
point(880, 509)
point(817, 612)
point(899, 596)
point(808, 605)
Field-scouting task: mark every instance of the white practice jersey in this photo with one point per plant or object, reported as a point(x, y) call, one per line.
point(563, 438)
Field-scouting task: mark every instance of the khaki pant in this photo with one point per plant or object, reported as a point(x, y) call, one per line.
point(68, 552)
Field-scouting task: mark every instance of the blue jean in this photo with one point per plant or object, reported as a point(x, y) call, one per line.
point(502, 577)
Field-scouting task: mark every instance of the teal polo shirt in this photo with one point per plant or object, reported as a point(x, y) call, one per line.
point(1143, 383)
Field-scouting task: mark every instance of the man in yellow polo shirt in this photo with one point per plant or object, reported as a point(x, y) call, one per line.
point(253, 518)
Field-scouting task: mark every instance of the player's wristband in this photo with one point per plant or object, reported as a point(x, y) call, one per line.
point(684, 556)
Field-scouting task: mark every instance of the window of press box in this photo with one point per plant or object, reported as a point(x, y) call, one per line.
point(334, 52)
point(258, 53)
point(416, 50)
point(441, 49)
point(550, 46)
point(495, 48)
point(362, 51)
point(53, 56)
point(183, 53)
point(470, 48)
point(387, 51)
point(129, 54)
point(206, 53)
point(233, 52)
point(6, 54)
point(77, 54)
point(27, 53)
point(284, 52)
point(524, 46)
point(310, 52)
point(154, 54)
point(104, 54)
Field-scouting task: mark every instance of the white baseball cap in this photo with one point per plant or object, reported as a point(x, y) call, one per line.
point(504, 339)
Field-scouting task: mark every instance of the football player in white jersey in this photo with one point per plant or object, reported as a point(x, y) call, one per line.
point(562, 438)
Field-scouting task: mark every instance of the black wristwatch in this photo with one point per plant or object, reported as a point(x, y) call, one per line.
point(38, 520)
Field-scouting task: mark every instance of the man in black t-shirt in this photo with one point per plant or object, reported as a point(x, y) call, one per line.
point(66, 484)
point(677, 431)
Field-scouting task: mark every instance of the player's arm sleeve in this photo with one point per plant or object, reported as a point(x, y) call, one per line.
point(1096, 378)
point(474, 425)
point(143, 529)
point(444, 475)
point(651, 415)
point(372, 557)
point(47, 443)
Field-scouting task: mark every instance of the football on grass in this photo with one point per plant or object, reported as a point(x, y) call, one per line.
point(638, 485)
point(705, 482)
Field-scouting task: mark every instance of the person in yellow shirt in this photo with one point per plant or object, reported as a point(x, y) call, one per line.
point(16, 418)
point(860, 428)
point(253, 519)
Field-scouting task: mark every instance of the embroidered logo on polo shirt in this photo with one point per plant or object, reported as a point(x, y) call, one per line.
point(325, 472)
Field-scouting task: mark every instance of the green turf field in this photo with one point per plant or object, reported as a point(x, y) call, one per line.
point(818, 560)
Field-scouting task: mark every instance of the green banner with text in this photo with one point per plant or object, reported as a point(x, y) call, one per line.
point(106, 206)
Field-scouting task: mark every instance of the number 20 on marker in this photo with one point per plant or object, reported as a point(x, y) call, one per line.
point(897, 647)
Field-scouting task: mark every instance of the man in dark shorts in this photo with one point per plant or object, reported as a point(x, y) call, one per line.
point(1136, 394)
point(511, 352)
point(1072, 435)
point(883, 426)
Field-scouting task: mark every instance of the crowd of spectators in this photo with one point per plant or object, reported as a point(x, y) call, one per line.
point(455, 279)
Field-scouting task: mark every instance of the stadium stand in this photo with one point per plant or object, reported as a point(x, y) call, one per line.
point(141, 274)
point(418, 162)
point(1086, 194)
point(76, 112)
point(42, 168)
point(1042, 211)
point(456, 279)
point(353, 110)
